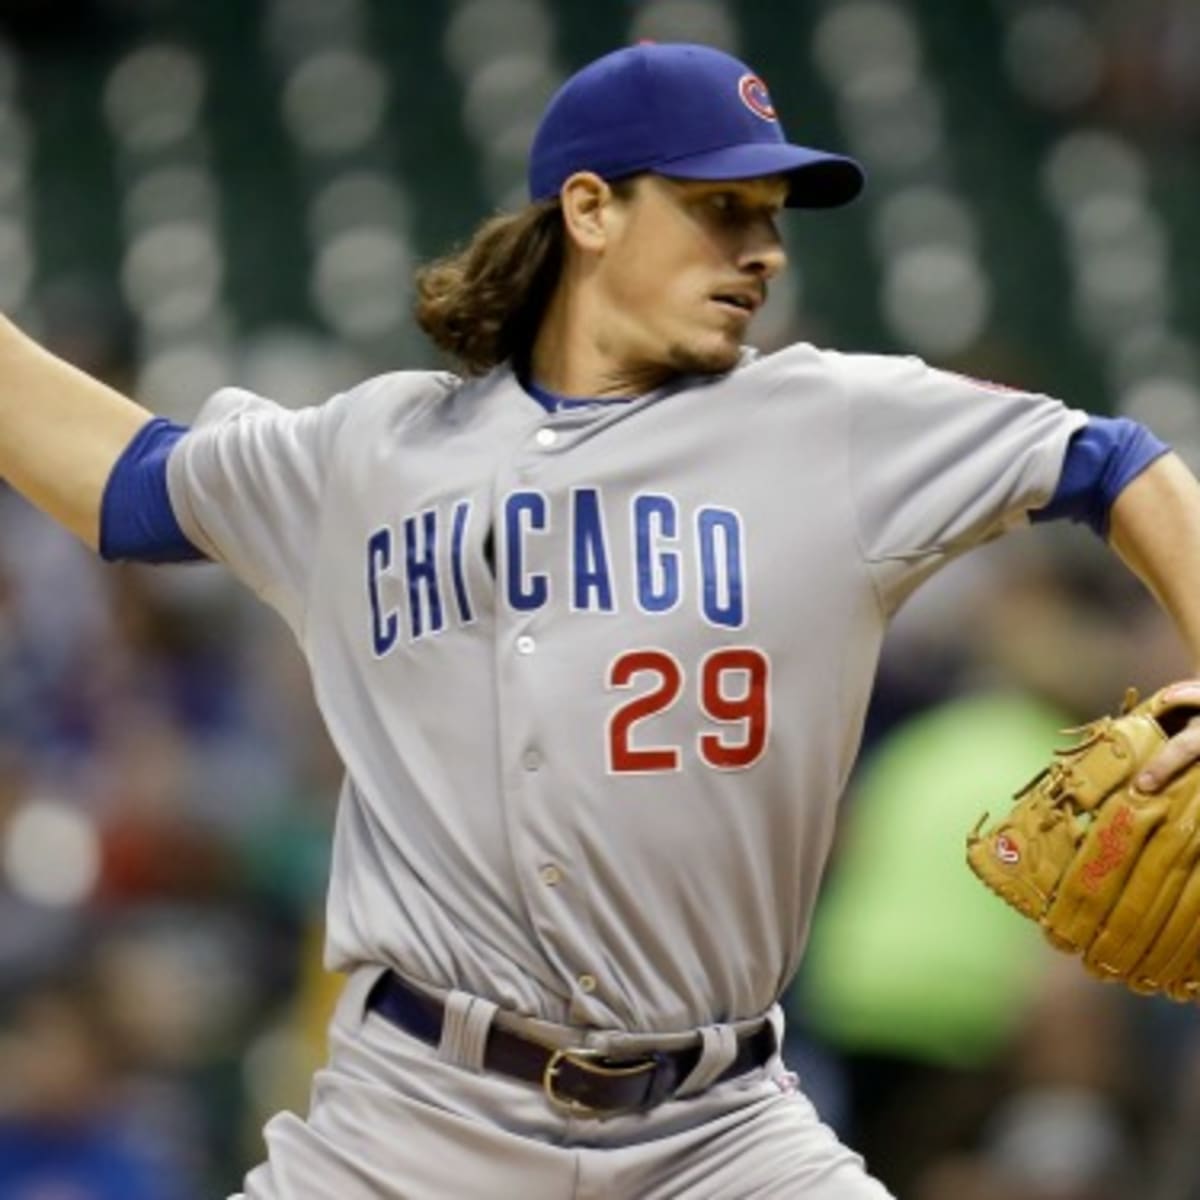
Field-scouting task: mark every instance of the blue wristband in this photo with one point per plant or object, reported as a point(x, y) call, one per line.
point(1102, 459)
point(137, 522)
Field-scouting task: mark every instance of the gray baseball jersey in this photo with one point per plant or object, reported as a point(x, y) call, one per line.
point(598, 676)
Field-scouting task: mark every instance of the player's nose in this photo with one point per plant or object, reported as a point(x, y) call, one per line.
point(764, 255)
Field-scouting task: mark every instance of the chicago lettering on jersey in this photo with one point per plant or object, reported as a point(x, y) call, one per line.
point(417, 576)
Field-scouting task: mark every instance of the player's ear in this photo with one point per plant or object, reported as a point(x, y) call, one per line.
point(588, 208)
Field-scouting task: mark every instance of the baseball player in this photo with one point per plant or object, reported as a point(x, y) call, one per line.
point(593, 625)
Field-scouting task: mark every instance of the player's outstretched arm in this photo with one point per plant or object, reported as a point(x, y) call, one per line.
point(61, 432)
point(1155, 528)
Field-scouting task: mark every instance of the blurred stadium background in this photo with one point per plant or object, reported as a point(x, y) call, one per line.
point(200, 192)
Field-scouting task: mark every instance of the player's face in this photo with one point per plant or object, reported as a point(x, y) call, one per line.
point(686, 266)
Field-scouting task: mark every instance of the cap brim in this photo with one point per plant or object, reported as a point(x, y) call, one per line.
point(817, 179)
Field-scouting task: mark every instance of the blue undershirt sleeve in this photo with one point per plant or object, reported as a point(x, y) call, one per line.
point(137, 522)
point(1102, 459)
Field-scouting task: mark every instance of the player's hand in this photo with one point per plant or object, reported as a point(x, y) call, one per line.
point(1182, 750)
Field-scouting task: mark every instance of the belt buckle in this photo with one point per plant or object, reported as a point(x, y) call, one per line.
point(584, 1057)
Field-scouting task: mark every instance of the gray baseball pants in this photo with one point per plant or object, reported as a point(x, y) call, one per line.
point(392, 1119)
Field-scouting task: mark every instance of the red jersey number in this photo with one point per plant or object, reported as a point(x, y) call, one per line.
point(734, 694)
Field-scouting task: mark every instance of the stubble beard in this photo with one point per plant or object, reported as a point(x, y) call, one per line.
point(695, 360)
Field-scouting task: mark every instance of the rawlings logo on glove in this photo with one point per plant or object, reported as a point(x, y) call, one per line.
point(1108, 871)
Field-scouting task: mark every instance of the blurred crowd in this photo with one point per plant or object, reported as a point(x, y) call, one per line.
point(166, 804)
point(166, 800)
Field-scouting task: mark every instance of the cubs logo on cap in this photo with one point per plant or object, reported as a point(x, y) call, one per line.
point(685, 112)
point(756, 98)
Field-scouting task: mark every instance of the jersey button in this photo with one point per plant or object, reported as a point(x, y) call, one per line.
point(550, 875)
point(531, 760)
point(526, 644)
point(545, 438)
point(587, 983)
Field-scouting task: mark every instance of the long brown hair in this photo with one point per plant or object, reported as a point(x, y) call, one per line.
point(483, 302)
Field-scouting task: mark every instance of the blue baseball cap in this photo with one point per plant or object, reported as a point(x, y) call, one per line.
point(683, 111)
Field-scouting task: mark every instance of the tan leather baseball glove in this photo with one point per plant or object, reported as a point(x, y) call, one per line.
point(1108, 871)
